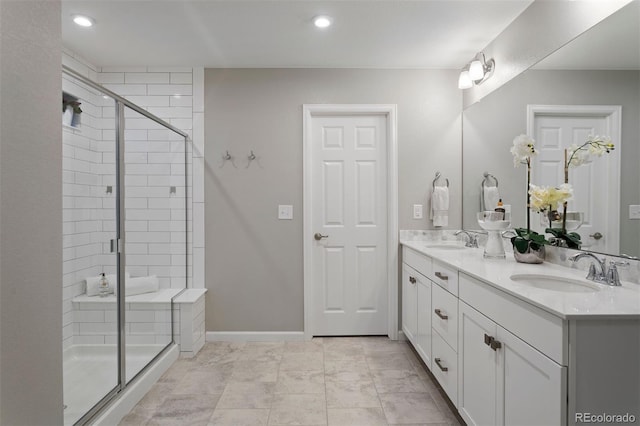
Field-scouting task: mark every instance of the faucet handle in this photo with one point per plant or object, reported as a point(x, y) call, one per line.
point(592, 275)
point(621, 263)
point(613, 278)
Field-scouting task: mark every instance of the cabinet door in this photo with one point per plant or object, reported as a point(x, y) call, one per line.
point(477, 367)
point(409, 302)
point(423, 337)
point(531, 386)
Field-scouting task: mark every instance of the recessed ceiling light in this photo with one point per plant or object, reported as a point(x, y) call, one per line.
point(322, 21)
point(83, 21)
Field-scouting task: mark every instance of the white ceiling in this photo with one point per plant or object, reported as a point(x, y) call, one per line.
point(269, 34)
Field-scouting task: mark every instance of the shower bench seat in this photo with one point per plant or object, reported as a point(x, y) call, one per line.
point(148, 319)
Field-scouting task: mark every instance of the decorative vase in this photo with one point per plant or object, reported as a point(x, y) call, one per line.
point(531, 255)
point(494, 223)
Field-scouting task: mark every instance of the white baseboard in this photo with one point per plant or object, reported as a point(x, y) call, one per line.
point(136, 390)
point(255, 336)
point(401, 335)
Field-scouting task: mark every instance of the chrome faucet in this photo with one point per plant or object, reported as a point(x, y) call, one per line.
point(471, 240)
point(606, 275)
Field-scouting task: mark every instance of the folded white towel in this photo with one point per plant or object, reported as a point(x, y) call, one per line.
point(93, 284)
point(440, 206)
point(141, 285)
point(491, 197)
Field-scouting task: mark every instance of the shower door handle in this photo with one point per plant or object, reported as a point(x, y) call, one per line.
point(115, 246)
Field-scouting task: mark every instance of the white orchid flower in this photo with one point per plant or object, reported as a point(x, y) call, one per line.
point(523, 149)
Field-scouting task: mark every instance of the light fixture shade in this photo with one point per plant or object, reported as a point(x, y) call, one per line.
point(83, 21)
point(464, 82)
point(476, 70)
point(322, 21)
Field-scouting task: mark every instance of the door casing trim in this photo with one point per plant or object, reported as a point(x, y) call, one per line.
point(390, 112)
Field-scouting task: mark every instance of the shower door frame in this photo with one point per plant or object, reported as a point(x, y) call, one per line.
point(118, 245)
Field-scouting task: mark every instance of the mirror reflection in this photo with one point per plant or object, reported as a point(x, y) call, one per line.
point(589, 87)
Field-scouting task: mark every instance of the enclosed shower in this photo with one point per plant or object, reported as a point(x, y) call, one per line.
point(125, 181)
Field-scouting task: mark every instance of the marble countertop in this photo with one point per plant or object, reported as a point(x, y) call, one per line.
point(607, 302)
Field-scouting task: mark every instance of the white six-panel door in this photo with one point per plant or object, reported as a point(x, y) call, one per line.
point(595, 184)
point(349, 209)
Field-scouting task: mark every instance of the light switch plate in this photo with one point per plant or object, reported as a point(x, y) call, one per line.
point(417, 211)
point(634, 211)
point(285, 212)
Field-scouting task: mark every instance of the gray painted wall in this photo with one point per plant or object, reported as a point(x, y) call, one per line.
point(254, 262)
point(30, 213)
point(490, 126)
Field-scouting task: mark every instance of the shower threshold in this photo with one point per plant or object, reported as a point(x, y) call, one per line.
point(91, 372)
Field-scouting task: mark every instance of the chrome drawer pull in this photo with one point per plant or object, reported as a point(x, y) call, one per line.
point(437, 361)
point(441, 315)
point(442, 276)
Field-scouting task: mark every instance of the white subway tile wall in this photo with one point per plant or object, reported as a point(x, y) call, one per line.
point(158, 205)
point(88, 218)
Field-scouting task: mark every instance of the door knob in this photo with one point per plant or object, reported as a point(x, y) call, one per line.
point(597, 235)
point(318, 236)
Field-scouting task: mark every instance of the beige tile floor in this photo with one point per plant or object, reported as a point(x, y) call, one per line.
point(355, 381)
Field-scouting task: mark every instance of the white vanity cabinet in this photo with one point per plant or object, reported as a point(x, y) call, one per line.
point(410, 302)
point(463, 329)
point(423, 338)
point(416, 302)
point(502, 379)
point(508, 356)
point(444, 321)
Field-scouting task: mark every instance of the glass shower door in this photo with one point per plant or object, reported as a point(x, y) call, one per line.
point(155, 236)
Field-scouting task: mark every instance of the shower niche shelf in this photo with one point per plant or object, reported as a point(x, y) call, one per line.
point(71, 111)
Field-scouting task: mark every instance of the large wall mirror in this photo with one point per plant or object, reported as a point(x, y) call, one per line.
point(589, 86)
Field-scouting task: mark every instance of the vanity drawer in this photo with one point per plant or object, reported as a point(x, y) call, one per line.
point(444, 315)
point(445, 366)
point(417, 261)
point(538, 328)
point(445, 276)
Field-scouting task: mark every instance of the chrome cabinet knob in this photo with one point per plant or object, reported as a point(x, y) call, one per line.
point(596, 236)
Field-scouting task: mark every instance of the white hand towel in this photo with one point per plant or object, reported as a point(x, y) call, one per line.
point(141, 285)
point(440, 206)
point(491, 197)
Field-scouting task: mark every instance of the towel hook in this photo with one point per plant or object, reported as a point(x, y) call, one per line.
point(438, 176)
point(227, 157)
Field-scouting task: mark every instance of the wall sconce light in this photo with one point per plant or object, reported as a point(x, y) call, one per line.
point(476, 72)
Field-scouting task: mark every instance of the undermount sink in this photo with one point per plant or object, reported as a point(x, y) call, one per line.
point(445, 246)
point(556, 283)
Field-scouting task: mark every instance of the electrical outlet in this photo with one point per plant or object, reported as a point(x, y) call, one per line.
point(417, 211)
point(285, 212)
point(634, 211)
